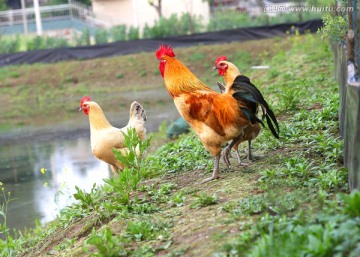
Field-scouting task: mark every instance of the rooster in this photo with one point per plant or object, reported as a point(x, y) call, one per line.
point(236, 83)
point(216, 118)
point(250, 133)
point(104, 137)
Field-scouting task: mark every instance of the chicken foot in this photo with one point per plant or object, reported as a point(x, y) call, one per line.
point(238, 156)
point(249, 156)
point(215, 174)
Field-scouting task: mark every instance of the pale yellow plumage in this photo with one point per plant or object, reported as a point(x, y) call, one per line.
point(104, 137)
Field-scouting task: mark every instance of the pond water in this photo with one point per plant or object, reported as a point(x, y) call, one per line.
point(40, 196)
point(68, 161)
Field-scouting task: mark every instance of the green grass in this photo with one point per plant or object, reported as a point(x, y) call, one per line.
point(292, 201)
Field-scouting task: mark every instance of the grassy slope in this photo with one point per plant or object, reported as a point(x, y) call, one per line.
point(52, 92)
point(294, 180)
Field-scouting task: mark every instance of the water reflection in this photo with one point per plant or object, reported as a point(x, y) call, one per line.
point(41, 196)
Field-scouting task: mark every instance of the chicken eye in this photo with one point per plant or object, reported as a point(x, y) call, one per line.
point(137, 108)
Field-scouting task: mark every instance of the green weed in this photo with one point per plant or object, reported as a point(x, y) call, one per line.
point(178, 199)
point(147, 230)
point(8, 244)
point(351, 203)
point(203, 200)
point(134, 172)
point(185, 153)
point(106, 243)
point(87, 200)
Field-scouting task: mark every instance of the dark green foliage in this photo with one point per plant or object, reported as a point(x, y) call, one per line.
point(52, 42)
point(36, 43)
point(164, 27)
point(229, 20)
point(8, 46)
point(101, 36)
point(83, 38)
point(133, 33)
point(118, 33)
point(352, 203)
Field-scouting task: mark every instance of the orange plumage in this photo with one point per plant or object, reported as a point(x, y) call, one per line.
point(216, 118)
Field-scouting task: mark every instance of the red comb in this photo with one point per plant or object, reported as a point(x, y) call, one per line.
point(85, 99)
point(164, 50)
point(220, 58)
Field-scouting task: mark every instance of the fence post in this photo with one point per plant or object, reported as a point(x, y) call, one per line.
point(24, 18)
point(356, 30)
point(37, 18)
point(352, 107)
point(70, 9)
point(352, 134)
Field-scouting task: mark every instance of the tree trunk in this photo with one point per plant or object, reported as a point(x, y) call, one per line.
point(156, 6)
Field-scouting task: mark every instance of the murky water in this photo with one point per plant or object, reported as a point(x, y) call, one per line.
point(68, 161)
point(40, 196)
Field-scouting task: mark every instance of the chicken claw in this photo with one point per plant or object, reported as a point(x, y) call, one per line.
point(215, 174)
point(225, 154)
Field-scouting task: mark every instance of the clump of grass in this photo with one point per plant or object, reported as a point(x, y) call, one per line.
point(147, 230)
point(119, 75)
point(203, 200)
point(181, 155)
point(106, 243)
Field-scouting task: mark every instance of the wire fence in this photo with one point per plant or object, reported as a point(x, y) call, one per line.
point(72, 10)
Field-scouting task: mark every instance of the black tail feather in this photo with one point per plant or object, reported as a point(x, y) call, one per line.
point(247, 92)
point(271, 127)
point(273, 118)
point(251, 116)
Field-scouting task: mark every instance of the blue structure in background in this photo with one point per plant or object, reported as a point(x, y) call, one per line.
point(59, 24)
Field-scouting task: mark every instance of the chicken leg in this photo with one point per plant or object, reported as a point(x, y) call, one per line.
point(249, 155)
point(226, 151)
point(215, 174)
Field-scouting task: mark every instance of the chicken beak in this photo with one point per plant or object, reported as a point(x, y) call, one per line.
point(215, 68)
point(80, 109)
